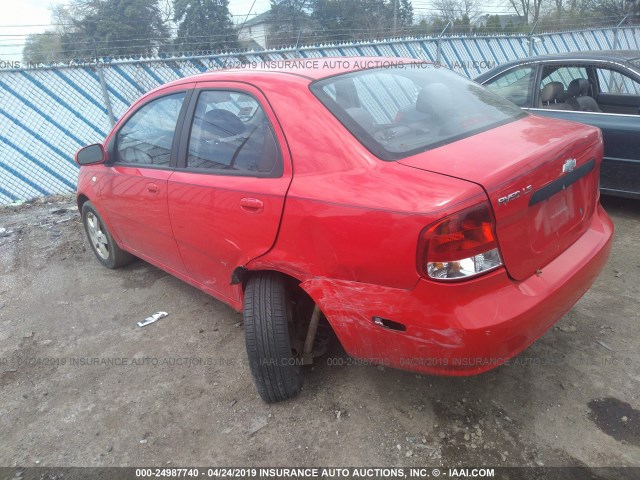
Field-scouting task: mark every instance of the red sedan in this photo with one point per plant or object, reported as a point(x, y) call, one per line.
point(435, 226)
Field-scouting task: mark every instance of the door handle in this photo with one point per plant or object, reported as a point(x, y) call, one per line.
point(252, 205)
point(153, 188)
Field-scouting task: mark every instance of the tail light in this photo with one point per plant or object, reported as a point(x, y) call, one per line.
point(460, 246)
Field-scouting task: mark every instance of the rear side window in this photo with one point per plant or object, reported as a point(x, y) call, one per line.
point(147, 136)
point(398, 112)
point(231, 134)
point(616, 83)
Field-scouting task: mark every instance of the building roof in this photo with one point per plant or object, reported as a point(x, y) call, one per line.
point(264, 17)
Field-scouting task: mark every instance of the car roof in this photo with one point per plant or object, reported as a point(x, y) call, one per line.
point(619, 56)
point(309, 68)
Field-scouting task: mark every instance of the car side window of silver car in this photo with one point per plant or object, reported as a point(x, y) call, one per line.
point(147, 136)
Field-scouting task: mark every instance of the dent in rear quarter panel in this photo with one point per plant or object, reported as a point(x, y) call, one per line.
point(350, 308)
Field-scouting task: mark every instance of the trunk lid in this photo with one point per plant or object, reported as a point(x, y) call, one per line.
point(541, 177)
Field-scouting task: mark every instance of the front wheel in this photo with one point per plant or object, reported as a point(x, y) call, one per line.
point(102, 243)
point(268, 321)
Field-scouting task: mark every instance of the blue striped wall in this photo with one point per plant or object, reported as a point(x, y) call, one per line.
point(47, 114)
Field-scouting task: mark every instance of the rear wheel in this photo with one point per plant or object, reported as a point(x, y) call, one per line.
point(268, 321)
point(105, 248)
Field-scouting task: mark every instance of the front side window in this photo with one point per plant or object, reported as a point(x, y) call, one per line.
point(231, 134)
point(147, 136)
point(514, 85)
point(398, 112)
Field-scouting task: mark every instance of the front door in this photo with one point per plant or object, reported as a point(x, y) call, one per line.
point(133, 192)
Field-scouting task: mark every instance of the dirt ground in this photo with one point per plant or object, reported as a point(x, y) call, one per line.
point(82, 385)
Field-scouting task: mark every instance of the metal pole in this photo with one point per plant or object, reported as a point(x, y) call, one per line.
point(105, 94)
point(531, 38)
point(438, 43)
point(103, 86)
point(615, 32)
point(298, 43)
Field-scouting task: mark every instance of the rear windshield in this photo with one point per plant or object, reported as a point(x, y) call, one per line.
point(398, 112)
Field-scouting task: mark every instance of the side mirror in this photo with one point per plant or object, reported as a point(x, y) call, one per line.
point(91, 155)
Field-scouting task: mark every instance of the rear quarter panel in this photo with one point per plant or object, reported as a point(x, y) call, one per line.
point(349, 215)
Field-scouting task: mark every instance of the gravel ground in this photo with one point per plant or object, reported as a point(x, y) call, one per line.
point(82, 385)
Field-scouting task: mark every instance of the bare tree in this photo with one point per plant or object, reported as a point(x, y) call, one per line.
point(166, 12)
point(472, 9)
point(452, 10)
point(559, 7)
point(572, 7)
point(578, 6)
point(529, 9)
point(446, 9)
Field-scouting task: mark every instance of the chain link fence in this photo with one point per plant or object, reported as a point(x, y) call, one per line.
point(47, 114)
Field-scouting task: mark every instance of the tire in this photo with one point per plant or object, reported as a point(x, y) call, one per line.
point(102, 243)
point(268, 311)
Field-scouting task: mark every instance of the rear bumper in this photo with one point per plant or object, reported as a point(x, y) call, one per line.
point(463, 328)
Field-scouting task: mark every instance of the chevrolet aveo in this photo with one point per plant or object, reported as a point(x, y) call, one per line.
point(435, 226)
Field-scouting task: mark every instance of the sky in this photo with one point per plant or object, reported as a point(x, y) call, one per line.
point(17, 14)
point(22, 17)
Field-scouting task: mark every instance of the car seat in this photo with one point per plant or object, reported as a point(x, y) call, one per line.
point(577, 96)
point(550, 94)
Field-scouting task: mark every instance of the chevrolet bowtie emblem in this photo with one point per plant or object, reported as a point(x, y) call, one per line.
point(569, 165)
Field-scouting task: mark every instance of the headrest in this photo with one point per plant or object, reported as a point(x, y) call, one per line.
point(223, 123)
point(434, 98)
point(551, 91)
point(578, 87)
point(346, 94)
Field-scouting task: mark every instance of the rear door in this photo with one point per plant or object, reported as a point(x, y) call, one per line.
point(227, 194)
point(618, 96)
point(133, 191)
